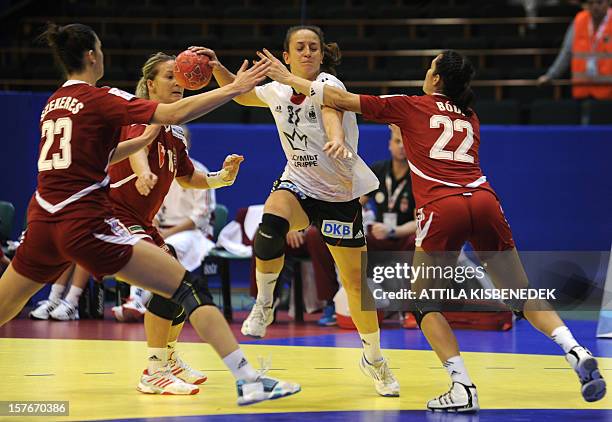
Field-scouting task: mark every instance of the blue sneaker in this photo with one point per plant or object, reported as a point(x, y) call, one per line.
point(329, 316)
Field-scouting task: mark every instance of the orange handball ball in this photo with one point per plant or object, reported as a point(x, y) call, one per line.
point(192, 70)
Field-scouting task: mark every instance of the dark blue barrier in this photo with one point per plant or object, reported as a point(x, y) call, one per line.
point(554, 182)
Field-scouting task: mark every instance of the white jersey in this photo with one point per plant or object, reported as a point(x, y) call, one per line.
point(301, 131)
point(195, 204)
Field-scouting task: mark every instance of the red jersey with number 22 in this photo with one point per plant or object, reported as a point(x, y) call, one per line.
point(441, 143)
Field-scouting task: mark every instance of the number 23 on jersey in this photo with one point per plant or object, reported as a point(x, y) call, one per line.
point(58, 160)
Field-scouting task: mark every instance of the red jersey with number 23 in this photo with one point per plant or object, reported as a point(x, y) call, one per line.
point(80, 127)
point(441, 143)
point(167, 158)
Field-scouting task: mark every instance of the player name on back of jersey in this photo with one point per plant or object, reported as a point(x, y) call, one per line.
point(447, 106)
point(71, 104)
point(305, 160)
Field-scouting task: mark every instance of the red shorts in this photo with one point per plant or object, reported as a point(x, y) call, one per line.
point(102, 247)
point(146, 233)
point(475, 217)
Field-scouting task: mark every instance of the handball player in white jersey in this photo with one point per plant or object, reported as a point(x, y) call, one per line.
point(321, 185)
point(455, 204)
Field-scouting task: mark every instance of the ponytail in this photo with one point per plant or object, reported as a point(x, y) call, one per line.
point(68, 44)
point(457, 73)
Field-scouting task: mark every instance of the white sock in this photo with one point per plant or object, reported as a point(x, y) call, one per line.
point(265, 287)
point(171, 348)
point(240, 366)
point(73, 295)
point(136, 293)
point(157, 357)
point(456, 370)
point(56, 292)
point(564, 338)
point(371, 346)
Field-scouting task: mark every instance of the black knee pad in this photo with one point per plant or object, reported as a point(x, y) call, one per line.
point(192, 293)
point(166, 309)
point(270, 237)
point(424, 308)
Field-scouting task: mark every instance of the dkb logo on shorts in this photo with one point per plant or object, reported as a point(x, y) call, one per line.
point(337, 229)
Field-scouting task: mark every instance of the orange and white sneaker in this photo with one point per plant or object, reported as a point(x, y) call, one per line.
point(185, 372)
point(163, 382)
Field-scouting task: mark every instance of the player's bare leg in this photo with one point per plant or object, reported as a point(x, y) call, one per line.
point(372, 363)
point(284, 207)
point(507, 271)
point(161, 376)
point(462, 395)
point(15, 291)
point(155, 270)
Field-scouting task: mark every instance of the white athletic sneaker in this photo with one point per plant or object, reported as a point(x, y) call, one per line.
point(385, 382)
point(43, 309)
point(163, 382)
point(184, 372)
point(460, 398)
point(133, 310)
point(65, 311)
point(264, 388)
point(118, 313)
point(257, 321)
point(585, 365)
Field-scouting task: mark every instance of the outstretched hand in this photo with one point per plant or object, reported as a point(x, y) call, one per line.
point(277, 70)
point(231, 166)
point(247, 79)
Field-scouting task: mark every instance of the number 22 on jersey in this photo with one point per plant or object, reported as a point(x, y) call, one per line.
point(438, 152)
point(59, 160)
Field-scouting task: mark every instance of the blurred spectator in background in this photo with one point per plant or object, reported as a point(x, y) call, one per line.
point(4, 262)
point(588, 46)
point(395, 226)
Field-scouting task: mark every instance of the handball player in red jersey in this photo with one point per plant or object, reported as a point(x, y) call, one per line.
point(70, 218)
point(138, 188)
point(441, 135)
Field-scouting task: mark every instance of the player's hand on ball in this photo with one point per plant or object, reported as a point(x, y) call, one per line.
point(203, 51)
point(231, 166)
point(277, 71)
point(145, 183)
point(337, 149)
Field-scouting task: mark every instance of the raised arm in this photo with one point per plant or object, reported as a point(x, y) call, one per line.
point(331, 96)
point(224, 177)
point(195, 106)
point(224, 77)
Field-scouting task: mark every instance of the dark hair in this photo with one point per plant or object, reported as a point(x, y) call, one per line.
point(68, 43)
point(457, 72)
point(331, 51)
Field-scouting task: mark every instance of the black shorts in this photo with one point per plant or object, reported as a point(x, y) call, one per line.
point(340, 223)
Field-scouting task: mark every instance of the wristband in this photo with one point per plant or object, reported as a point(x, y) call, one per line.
point(391, 234)
point(215, 179)
point(316, 92)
